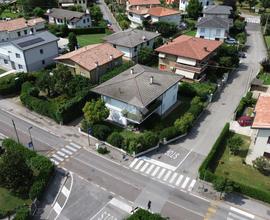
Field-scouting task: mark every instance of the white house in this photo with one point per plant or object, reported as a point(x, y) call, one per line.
point(213, 28)
point(29, 53)
point(73, 19)
point(20, 27)
point(184, 3)
point(130, 41)
point(67, 3)
point(135, 94)
point(141, 4)
point(260, 143)
point(221, 11)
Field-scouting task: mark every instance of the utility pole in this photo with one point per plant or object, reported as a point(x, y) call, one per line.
point(15, 129)
point(31, 140)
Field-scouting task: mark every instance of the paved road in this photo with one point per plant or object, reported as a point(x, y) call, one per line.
point(109, 16)
point(188, 154)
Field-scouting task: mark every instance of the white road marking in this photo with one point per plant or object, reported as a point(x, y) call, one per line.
point(65, 191)
point(66, 151)
point(158, 163)
point(57, 208)
point(121, 205)
point(155, 171)
point(242, 212)
point(75, 145)
point(150, 168)
point(54, 161)
point(161, 173)
point(235, 217)
point(191, 185)
point(144, 167)
point(173, 177)
point(61, 154)
point(199, 197)
point(139, 164)
point(71, 148)
point(133, 162)
point(185, 183)
point(57, 157)
point(167, 175)
point(179, 180)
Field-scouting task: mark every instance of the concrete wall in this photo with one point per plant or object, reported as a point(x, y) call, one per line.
point(169, 98)
point(212, 33)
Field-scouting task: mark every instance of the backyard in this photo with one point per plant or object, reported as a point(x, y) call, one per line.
point(190, 33)
point(88, 39)
point(232, 166)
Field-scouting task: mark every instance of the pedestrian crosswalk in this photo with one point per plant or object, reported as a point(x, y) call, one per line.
point(65, 152)
point(238, 214)
point(162, 173)
point(254, 20)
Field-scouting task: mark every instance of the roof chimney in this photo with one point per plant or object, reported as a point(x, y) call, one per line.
point(87, 12)
point(151, 80)
point(144, 38)
point(171, 39)
point(49, 11)
point(132, 71)
point(111, 57)
point(96, 63)
point(205, 48)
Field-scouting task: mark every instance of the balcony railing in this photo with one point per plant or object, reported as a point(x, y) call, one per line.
point(195, 69)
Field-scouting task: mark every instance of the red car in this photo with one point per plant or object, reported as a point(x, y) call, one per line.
point(245, 121)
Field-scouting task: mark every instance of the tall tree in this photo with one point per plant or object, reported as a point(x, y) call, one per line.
point(231, 3)
point(72, 41)
point(29, 5)
point(223, 185)
point(194, 9)
point(62, 77)
point(251, 3)
point(96, 13)
point(265, 3)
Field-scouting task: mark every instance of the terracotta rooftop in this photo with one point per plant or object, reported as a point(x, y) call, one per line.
point(262, 112)
point(190, 47)
point(87, 57)
point(161, 11)
point(19, 23)
point(144, 2)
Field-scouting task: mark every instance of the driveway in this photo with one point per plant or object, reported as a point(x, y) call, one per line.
point(187, 155)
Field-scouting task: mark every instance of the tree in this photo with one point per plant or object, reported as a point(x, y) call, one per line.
point(231, 3)
point(251, 3)
point(38, 12)
point(235, 144)
point(241, 2)
point(46, 83)
point(158, 42)
point(262, 164)
point(184, 123)
point(64, 30)
point(194, 9)
point(146, 56)
point(265, 3)
point(166, 29)
point(96, 13)
point(223, 185)
point(15, 174)
point(62, 76)
point(95, 111)
point(29, 5)
point(72, 41)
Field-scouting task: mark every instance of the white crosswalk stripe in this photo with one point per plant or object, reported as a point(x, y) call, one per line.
point(255, 20)
point(58, 157)
point(238, 214)
point(66, 151)
point(163, 173)
point(62, 154)
point(71, 148)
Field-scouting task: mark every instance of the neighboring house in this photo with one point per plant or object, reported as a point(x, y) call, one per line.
point(20, 27)
point(131, 40)
point(155, 14)
point(67, 3)
point(260, 143)
point(29, 53)
point(92, 61)
point(135, 94)
point(187, 56)
point(141, 4)
point(73, 19)
point(213, 28)
point(221, 11)
point(184, 3)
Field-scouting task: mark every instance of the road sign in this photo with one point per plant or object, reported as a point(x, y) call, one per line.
point(30, 144)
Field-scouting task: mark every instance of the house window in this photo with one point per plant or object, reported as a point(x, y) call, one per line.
point(25, 32)
point(162, 67)
point(114, 46)
point(41, 51)
point(43, 62)
point(147, 43)
point(88, 20)
point(135, 49)
point(18, 55)
point(32, 30)
point(268, 140)
point(20, 66)
point(202, 30)
point(5, 61)
point(84, 21)
point(201, 36)
point(218, 32)
point(19, 33)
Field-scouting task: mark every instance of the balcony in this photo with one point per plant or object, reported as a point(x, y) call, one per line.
point(195, 69)
point(144, 114)
point(4, 56)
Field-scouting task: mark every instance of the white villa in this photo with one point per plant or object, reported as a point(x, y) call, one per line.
point(184, 3)
point(135, 94)
point(260, 144)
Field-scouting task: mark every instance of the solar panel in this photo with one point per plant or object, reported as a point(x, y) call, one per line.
point(30, 42)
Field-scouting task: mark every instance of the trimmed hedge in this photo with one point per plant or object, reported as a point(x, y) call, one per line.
point(92, 30)
point(60, 112)
point(169, 133)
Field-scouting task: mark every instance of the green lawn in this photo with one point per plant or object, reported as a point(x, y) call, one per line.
point(9, 14)
point(265, 77)
point(9, 202)
point(87, 39)
point(233, 167)
point(267, 40)
point(190, 32)
point(2, 71)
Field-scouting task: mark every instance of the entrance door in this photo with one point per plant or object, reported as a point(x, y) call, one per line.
point(13, 65)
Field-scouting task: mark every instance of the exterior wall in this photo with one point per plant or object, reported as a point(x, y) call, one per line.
point(261, 144)
point(172, 19)
point(212, 33)
point(84, 22)
point(184, 3)
point(169, 98)
point(126, 50)
point(187, 74)
point(82, 3)
point(136, 20)
point(36, 60)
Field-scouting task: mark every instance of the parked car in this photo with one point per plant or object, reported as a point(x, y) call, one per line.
point(231, 40)
point(244, 121)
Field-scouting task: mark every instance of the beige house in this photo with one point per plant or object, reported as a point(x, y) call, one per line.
point(92, 61)
point(187, 56)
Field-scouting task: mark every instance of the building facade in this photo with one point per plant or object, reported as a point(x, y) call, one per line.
point(67, 3)
point(184, 3)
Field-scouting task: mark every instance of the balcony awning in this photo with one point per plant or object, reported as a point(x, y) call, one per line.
point(161, 55)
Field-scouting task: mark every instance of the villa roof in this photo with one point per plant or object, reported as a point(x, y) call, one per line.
point(64, 14)
point(161, 11)
point(133, 86)
point(190, 47)
point(217, 9)
point(262, 112)
point(213, 22)
point(89, 56)
point(144, 2)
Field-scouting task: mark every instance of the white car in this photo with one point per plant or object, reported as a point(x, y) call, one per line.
point(231, 40)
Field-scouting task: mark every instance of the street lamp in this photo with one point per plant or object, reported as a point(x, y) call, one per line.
point(31, 140)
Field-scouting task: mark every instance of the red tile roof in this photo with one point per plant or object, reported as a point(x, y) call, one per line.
point(262, 112)
point(144, 2)
point(19, 23)
point(190, 47)
point(87, 56)
point(161, 11)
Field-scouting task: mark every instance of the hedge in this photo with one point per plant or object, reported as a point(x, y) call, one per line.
point(61, 113)
point(91, 30)
point(145, 215)
point(244, 102)
point(169, 133)
point(22, 213)
point(206, 170)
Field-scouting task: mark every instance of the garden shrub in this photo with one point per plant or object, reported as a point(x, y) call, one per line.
point(184, 123)
point(234, 144)
point(196, 106)
point(22, 213)
point(103, 150)
point(245, 102)
point(149, 139)
point(196, 89)
point(116, 139)
point(186, 89)
point(145, 215)
point(101, 132)
point(169, 133)
point(37, 189)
